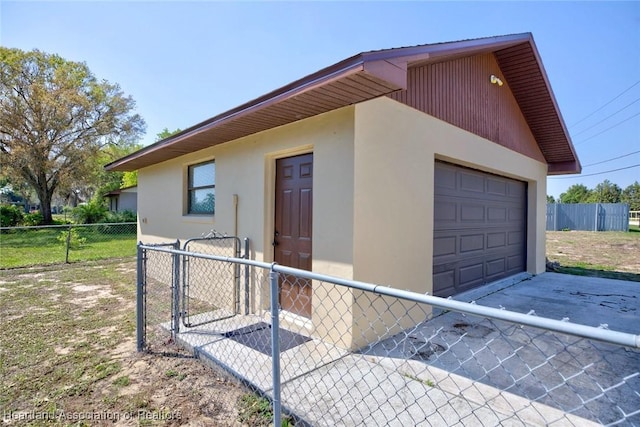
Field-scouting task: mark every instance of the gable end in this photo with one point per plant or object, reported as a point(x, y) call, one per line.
point(460, 92)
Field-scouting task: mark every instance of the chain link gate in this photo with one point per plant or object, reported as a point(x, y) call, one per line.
point(175, 291)
point(205, 293)
point(156, 301)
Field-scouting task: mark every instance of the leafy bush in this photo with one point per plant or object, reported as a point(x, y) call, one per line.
point(123, 216)
point(10, 215)
point(90, 213)
point(34, 218)
point(75, 241)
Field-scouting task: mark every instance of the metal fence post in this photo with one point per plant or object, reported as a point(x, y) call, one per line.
point(275, 347)
point(246, 276)
point(140, 299)
point(236, 272)
point(175, 309)
point(66, 258)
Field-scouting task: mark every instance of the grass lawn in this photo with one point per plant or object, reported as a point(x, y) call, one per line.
point(67, 348)
point(601, 254)
point(28, 247)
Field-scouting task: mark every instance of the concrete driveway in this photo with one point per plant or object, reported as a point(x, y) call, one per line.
point(456, 369)
point(589, 301)
point(592, 380)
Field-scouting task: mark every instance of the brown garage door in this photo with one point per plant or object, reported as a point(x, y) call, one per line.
point(479, 228)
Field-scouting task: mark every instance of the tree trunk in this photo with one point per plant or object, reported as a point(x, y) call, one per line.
point(45, 196)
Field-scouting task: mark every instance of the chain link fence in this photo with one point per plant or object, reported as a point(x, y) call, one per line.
point(54, 244)
point(319, 350)
point(209, 294)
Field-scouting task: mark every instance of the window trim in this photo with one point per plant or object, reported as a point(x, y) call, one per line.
point(190, 189)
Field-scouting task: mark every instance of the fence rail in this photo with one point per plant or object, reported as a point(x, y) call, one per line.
point(375, 355)
point(53, 244)
point(588, 216)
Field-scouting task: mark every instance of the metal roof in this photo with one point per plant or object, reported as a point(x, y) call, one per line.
point(370, 75)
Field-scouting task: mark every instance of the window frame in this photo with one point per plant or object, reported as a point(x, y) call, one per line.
point(191, 189)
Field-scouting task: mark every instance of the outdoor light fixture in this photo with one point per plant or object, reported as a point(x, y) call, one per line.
point(496, 80)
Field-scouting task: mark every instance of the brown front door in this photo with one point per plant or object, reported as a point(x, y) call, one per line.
point(292, 239)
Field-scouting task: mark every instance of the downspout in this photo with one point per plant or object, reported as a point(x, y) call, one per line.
point(236, 287)
point(235, 215)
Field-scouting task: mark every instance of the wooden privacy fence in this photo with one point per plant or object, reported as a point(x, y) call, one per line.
point(588, 216)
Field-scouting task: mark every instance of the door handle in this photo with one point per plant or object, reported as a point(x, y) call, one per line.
point(275, 242)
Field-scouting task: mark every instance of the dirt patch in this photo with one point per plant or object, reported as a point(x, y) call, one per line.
point(601, 254)
point(67, 349)
point(177, 385)
point(89, 295)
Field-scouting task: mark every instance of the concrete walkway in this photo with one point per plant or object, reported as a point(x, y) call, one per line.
point(460, 370)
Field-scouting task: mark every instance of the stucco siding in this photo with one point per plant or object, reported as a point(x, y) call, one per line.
point(395, 150)
point(372, 204)
point(246, 168)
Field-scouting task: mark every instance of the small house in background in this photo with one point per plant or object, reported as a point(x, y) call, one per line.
point(422, 168)
point(123, 199)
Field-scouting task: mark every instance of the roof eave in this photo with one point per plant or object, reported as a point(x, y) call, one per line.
point(576, 167)
point(564, 168)
point(350, 65)
point(385, 68)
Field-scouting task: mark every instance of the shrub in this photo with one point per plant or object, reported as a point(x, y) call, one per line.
point(10, 215)
point(122, 216)
point(90, 213)
point(75, 241)
point(34, 218)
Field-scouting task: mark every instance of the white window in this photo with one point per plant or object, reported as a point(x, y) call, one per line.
point(201, 188)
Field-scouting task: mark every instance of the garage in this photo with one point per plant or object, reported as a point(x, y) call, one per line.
point(479, 228)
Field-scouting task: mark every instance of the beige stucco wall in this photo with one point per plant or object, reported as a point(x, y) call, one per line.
point(372, 206)
point(246, 168)
point(395, 150)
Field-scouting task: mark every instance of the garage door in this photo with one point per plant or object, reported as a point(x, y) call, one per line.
point(479, 228)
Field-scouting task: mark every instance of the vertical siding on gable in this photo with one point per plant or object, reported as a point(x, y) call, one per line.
point(460, 92)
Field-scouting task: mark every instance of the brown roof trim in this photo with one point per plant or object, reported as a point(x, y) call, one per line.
point(356, 79)
point(420, 53)
point(561, 168)
point(345, 67)
point(118, 191)
point(552, 134)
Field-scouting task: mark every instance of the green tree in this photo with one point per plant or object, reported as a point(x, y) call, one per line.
point(55, 116)
point(577, 193)
point(130, 178)
point(166, 133)
point(631, 195)
point(106, 181)
point(605, 192)
point(550, 199)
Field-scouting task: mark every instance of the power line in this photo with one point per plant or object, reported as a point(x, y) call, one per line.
point(616, 97)
point(615, 158)
point(609, 116)
point(608, 129)
point(593, 174)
